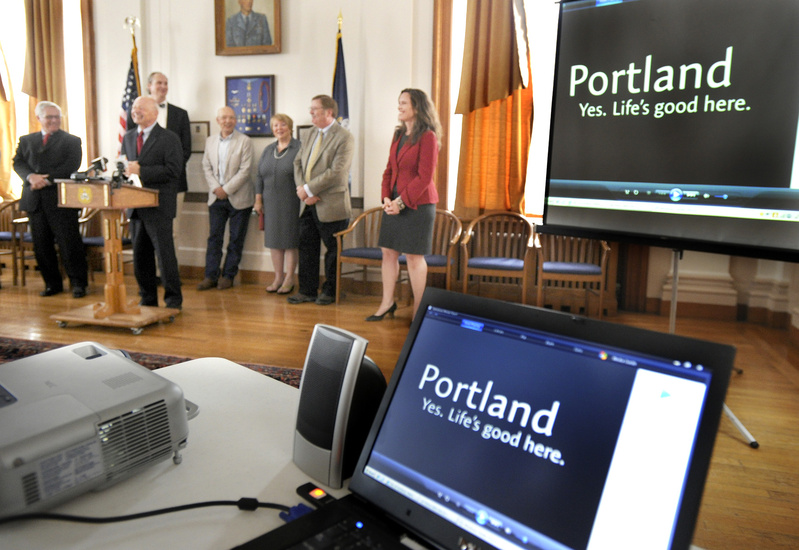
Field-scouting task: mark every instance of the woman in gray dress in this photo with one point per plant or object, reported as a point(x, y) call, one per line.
point(277, 201)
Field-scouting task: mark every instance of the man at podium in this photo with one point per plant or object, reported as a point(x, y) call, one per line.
point(156, 156)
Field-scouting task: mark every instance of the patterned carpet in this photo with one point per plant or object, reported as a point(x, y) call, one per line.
point(12, 349)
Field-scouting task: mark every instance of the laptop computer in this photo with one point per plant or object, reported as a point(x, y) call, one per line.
point(513, 427)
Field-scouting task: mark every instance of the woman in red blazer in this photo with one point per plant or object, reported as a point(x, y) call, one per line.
point(409, 197)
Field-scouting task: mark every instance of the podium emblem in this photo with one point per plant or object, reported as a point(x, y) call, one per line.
point(84, 195)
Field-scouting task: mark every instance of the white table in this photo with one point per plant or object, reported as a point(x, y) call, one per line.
point(240, 445)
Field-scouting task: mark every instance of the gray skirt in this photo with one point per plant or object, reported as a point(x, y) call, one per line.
point(410, 231)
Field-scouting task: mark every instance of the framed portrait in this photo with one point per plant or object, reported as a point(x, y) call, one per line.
point(252, 98)
point(247, 27)
point(302, 131)
point(199, 133)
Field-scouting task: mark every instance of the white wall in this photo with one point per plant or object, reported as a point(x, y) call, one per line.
point(387, 45)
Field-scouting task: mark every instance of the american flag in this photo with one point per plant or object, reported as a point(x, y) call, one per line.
point(132, 91)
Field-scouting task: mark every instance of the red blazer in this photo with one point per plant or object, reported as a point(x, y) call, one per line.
point(412, 171)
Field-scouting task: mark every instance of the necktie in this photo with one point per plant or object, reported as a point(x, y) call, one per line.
point(139, 143)
point(314, 155)
point(44, 139)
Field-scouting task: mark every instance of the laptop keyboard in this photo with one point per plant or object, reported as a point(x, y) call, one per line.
point(348, 533)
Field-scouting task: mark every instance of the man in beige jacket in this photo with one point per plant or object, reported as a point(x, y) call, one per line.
point(321, 173)
point(227, 163)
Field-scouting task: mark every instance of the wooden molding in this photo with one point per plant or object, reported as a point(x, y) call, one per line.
point(442, 60)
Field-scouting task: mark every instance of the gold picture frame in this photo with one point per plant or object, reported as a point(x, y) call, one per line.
point(259, 35)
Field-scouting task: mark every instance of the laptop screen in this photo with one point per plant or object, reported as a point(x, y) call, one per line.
point(517, 427)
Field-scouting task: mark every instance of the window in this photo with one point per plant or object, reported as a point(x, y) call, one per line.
point(13, 30)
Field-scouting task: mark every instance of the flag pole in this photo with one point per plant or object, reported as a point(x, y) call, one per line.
point(338, 43)
point(132, 22)
point(132, 82)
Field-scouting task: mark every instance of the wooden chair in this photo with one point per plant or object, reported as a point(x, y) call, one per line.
point(358, 245)
point(8, 252)
point(571, 263)
point(443, 259)
point(499, 246)
point(23, 245)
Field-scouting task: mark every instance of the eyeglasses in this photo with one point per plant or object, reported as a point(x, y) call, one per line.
point(51, 117)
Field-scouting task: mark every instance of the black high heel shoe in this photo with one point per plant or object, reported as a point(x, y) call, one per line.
point(390, 312)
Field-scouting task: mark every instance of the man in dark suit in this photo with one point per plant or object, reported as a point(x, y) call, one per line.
point(154, 155)
point(41, 158)
point(321, 172)
point(174, 119)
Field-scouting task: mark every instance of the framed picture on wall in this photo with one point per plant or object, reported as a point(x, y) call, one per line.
point(252, 98)
point(199, 133)
point(247, 27)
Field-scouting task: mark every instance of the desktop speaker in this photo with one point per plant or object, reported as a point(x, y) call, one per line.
point(340, 392)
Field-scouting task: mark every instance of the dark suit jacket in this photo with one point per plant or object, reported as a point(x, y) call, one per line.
point(412, 171)
point(177, 120)
point(160, 162)
point(60, 158)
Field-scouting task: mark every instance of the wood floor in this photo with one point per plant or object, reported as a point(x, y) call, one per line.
point(751, 498)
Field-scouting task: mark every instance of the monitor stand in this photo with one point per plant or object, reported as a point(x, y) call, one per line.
point(676, 256)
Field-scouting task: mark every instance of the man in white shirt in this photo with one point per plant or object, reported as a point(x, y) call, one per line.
point(176, 120)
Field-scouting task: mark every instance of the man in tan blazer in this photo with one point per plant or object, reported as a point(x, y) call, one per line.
point(321, 173)
point(227, 164)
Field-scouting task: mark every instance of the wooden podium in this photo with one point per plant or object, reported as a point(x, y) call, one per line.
point(111, 199)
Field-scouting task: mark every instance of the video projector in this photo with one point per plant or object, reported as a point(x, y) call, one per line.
point(81, 418)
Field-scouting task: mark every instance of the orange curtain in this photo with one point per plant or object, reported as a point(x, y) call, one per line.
point(45, 76)
point(8, 128)
point(498, 112)
point(493, 157)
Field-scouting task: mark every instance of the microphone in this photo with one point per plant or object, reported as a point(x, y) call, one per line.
point(98, 165)
point(118, 176)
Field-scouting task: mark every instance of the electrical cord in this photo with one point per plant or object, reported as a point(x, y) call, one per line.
point(248, 504)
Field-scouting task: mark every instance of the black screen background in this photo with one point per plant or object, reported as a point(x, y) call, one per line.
point(719, 152)
point(749, 148)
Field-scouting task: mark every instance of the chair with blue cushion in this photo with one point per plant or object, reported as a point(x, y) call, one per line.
point(443, 259)
point(358, 245)
point(7, 242)
point(568, 264)
point(499, 247)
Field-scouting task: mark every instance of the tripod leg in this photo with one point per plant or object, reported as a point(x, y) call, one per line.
point(741, 428)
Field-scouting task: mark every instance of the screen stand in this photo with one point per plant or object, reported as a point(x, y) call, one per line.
point(676, 257)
